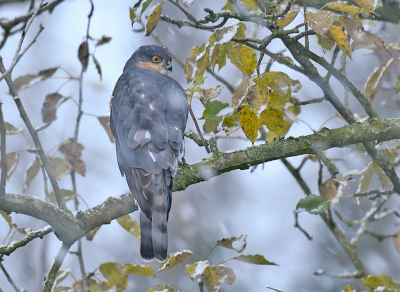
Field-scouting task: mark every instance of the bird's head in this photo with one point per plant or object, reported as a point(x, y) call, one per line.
point(152, 57)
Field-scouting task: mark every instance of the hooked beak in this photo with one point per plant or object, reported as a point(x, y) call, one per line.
point(169, 68)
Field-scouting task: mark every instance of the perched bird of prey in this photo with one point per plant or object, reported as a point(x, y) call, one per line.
point(149, 112)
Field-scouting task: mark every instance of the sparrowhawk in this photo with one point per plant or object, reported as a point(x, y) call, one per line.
point(149, 112)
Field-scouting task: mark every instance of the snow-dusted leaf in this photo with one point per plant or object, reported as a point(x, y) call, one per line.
point(380, 283)
point(115, 273)
point(240, 92)
point(236, 243)
point(343, 7)
point(154, 17)
point(207, 94)
point(215, 276)
point(340, 38)
point(162, 288)
point(187, 3)
point(225, 34)
point(137, 11)
point(130, 225)
point(254, 259)
point(175, 259)
point(367, 5)
point(319, 21)
point(231, 123)
point(375, 80)
point(366, 178)
point(140, 270)
point(313, 204)
point(196, 269)
point(287, 19)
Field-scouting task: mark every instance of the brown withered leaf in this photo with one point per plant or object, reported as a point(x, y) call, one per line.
point(98, 67)
point(104, 39)
point(105, 122)
point(369, 41)
point(83, 55)
point(23, 82)
point(60, 167)
point(11, 129)
point(31, 172)
point(77, 164)
point(74, 160)
point(12, 162)
point(66, 147)
point(90, 235)
point(66, 195)
point(50, 105)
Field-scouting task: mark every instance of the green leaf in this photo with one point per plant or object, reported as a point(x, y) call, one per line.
point(349, 288)
point(7, 218)
point(287, 19)
point(175, 259)
point(250, 123)
point(383, 282)
point(223, 51)
point(367, 5)
point(240, 92)
point(366, 179)
point(196, 269)
point(61, 276)
point(397, 87)
point(212, 125)
point(60, 167)
point(313, 204)
point(115, 273)
point(130, 225)
point(236, 243)
point(254, 259)
point(140, 270)
point(244, 58)
point(213, 108)
point(162, 288)
point(231, 123)
point(66, 195)
point(340, 38)
point(153, 19)
point(215, 276)
point(136, 12)
point(375, 80)
point(272, 118)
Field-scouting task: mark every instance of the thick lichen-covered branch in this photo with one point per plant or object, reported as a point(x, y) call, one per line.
point(220, 162)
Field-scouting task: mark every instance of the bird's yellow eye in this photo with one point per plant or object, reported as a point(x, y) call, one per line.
point(156, 59)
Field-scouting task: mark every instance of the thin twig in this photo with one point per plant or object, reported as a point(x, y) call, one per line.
point(9, 278)
point(306, 41)
point(3, 153)
point(34, 136)
point(210, 251)
point(51, 276)
point(198, 129)
point(296, 224)
point(17, 55)
point(46, 189)
point(311, 101)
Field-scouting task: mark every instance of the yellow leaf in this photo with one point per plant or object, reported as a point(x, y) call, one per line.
point(231, 123)
point(340, 6)
point(244, 58)
point(340, 38)
point(326, 42)
point(328, 189)
point(153, 19)
point(250, 123)
point(349, 288)
point(115, 273)
point(376, 78)
point(367, 5)
point(240, 92)
point(319, 21)
point(278, 101)
point(190, 66)
point(287, 19)
point(256, 98)
point(397, 242)
point(279, 82)
point(215, 55)
point(272, 136)
point(215, 276)
point(272, 118)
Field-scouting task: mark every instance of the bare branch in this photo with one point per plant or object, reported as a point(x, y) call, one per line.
point(51, 276)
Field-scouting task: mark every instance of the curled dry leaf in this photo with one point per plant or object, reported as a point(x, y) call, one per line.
point(104, 40)
point(98, 67)
point(83, 55)
point(50, 105)
point(207, 94)
point(11, 130)
point(31, 172)
point(23, 82)
point(105, 122)
point(375, 80)
point(60, 167)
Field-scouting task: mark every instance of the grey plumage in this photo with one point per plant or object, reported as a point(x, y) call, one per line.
point(148, 117)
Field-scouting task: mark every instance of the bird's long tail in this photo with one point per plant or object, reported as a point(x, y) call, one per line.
point(154, 235)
